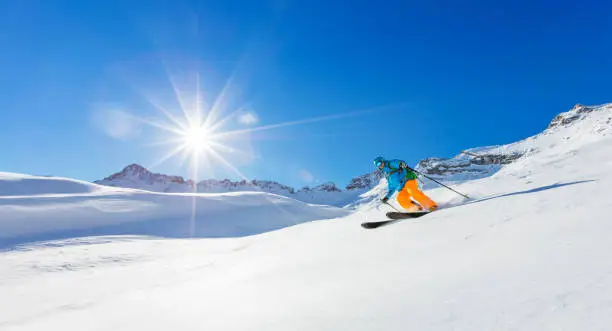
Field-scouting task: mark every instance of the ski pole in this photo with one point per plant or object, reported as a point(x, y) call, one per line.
point(420, 173)
point(392, 207)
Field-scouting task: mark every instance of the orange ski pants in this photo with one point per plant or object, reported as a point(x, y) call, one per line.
point(411, 190)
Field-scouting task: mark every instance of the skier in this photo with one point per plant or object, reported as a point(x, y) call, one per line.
point(401, 178)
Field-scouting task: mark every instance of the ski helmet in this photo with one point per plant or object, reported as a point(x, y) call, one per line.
point(379, 161)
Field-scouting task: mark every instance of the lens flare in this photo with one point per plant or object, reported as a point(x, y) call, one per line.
point(197, 138)
point(202, 134)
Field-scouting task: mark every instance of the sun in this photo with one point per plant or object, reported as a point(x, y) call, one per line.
point(209, 134)
point(197, 138)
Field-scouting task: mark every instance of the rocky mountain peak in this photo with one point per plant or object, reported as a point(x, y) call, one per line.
point(327, 187)
point(576, 113)
point(136, 172)
point(366, 181)
point(469, 164)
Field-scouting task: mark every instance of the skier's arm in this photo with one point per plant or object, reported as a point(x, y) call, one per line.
point(392, 188)
point(397, 164)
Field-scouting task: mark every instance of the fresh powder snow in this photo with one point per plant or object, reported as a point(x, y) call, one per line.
point(528, 251)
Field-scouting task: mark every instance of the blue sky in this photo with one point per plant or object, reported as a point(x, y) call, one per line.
point(437, 77)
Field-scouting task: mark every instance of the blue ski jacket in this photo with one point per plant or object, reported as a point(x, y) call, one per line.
point(396, 176)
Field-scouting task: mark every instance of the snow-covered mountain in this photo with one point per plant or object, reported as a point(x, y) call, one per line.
point(367, 181)
point(137, 177)
point(481, 162)
point(470, 164)
point(528, 252)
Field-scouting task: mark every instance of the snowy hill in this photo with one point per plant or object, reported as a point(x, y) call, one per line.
point(25, 185)
point(45, 208)
point(580, 124)
point(529, 252)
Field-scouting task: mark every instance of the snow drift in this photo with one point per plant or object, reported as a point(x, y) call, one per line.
point(12, 184)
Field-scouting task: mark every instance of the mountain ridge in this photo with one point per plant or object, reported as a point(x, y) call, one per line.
point(469, 164)
point(138, 172)
point(528, 252)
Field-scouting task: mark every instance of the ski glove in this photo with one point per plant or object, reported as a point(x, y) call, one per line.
point(384, 200)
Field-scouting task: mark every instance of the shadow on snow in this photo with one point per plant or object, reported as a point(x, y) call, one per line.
point(533, 190)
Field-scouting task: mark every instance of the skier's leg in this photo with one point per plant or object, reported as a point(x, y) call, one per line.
point(412, 188)
point(403, 198)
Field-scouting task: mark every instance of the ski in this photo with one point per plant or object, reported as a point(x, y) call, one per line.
point(394, 217)
point(399, 216)
point(374, 225)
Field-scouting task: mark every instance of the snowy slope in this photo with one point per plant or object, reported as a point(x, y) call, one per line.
point(529, 253)
point(12, 184)
point(570, 130)
point(42, 208)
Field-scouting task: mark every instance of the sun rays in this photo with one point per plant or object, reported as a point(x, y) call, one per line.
point(202, 136)
point(214, 134)
point(210, 135)
point(197, 138)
